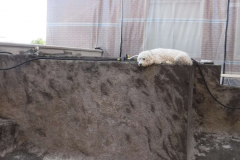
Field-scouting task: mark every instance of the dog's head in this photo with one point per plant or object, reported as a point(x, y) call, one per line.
point(145, 58)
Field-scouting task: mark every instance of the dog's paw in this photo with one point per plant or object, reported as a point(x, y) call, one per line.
point(169, 62)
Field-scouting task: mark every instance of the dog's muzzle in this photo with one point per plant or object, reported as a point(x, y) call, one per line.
point(140, 64)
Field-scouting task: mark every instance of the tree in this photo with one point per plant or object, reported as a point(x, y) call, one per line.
point(39, 41)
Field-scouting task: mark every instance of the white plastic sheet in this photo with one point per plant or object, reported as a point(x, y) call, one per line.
point(194, 26)
point(85, 24)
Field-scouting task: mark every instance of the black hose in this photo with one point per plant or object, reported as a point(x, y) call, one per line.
point(60, 58)
point(121, 34)
point(6, 53)
point(225, 43)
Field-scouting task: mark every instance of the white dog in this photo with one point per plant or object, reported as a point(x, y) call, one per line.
point(160, 55)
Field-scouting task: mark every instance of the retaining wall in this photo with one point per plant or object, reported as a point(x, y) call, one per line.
point(114, 110)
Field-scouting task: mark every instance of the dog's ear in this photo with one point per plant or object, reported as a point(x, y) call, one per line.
point(151, 61)
point(151, 58)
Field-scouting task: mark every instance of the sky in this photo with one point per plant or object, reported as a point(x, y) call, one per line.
point(22, 21)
